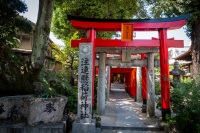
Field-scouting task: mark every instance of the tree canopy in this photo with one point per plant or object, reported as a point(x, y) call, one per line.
point(171, 8)
point(108, 9)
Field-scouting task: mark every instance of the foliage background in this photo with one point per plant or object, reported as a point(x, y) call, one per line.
point(185, 106)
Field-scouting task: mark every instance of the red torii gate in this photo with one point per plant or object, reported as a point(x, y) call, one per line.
point(161, 25)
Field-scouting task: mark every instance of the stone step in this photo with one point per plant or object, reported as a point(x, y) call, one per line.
point(159, 129)
point(128, 131)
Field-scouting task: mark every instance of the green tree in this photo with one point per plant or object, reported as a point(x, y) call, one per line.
point(162, 8)
point(108, 9)
point(69, 58)
point(13, 79)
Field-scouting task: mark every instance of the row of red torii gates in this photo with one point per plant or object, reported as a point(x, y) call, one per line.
point(146, 48)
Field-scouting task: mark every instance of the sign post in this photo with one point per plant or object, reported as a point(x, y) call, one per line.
point(84, 122)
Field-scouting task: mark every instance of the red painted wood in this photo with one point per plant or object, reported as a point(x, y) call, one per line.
point(116, 26)
point(133, 82)
point(125, 81)
point(164, 68)
point(96, 70)
point(121, 70)
point(128, 83)
point(110, 79)
point(154, 38)
point(91, 34)
point(144, 80)
point(99, 42)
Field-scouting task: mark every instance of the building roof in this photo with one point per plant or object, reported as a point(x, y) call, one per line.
point(187, 56)
point(187, 64)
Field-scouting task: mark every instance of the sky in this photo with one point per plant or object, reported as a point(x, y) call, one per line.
point(32, 13)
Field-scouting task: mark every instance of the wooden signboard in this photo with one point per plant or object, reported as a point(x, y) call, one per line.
point(127, 32)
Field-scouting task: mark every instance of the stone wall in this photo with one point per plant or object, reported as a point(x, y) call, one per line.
point(31, 110)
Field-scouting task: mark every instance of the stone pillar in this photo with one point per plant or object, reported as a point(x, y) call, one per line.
point(101, 84)
point(139, 91)
point(150, 86)
point(108, 83)
point(164, 74)
point(84, 122)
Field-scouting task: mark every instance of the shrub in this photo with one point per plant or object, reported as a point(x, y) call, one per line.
point(51, 84)
point(15, 76)
point(72, 103)
point(185, 102)
point(157, 87)
point(58, 84)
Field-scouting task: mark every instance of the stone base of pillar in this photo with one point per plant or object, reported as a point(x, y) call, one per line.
point(165, 113)
point(78, 127)
point(100, 112)
point(134, 98)
point(144, 106)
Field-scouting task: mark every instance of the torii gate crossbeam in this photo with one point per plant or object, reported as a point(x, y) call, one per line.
point(139, 24)
point(99, 42)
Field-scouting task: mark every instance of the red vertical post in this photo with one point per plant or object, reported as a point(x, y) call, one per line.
point(133, 90)
point(129, 83)
point(120, 55)
point(125, 81)
point(91, 35)
point(110, 77)
point(164, 74)
point(96, 70)
point(144, 85)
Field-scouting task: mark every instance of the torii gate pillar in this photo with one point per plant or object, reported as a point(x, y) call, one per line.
point(144, 86)
point(164, 73)
point(101, 84)
point(91, 35)
point(150, 86)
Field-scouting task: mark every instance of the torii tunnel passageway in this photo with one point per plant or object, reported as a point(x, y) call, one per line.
point(122, 114)
point(126, 77)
